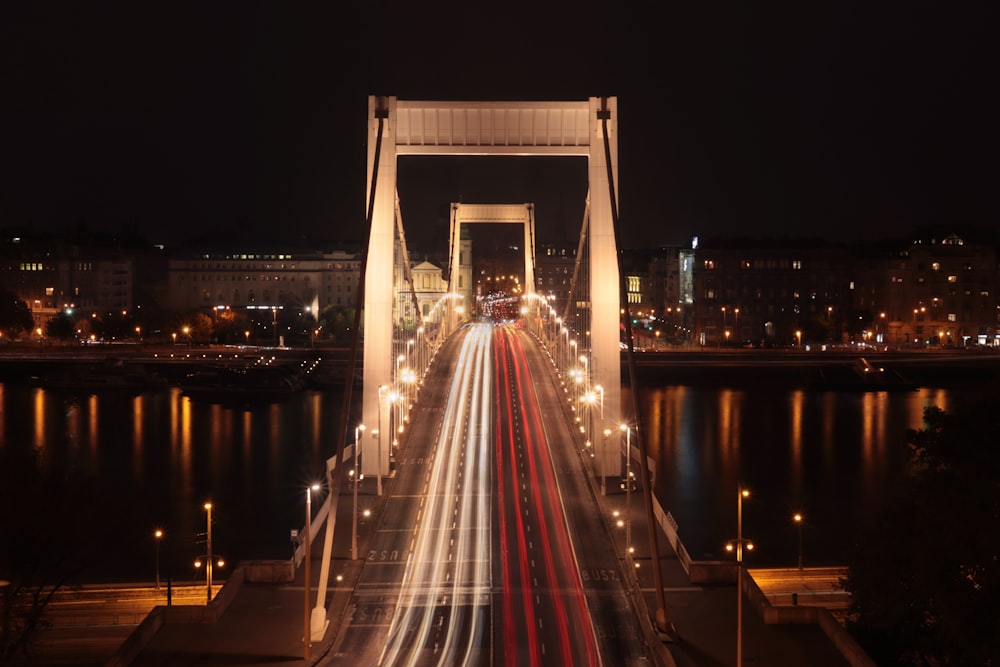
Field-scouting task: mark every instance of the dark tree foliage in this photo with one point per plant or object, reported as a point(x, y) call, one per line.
point(925, 578)
point(60, 327)
point(53, 534)
point(15, 316)
point(337, 322)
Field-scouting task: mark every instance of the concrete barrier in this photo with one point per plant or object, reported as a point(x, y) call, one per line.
point(269, 572)
point(725, 572)
point(181, 613)
point(845, 643)
point(137, 641)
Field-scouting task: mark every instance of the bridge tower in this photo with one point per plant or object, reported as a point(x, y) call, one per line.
point(586, 129)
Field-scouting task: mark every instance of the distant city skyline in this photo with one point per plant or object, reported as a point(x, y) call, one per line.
point(851, 123)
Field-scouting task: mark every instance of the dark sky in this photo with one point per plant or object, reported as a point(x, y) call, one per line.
point(840, 120)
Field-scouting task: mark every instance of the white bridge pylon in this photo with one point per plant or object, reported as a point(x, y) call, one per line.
point(465, 214)
point(519, 129)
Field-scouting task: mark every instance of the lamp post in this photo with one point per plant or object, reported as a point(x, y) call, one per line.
point(358, 434)
point(628, 490)
point(798, 336)
point(723, 321)
point(736, 312)
point(564, 340)
point(306, 558)
point(378, 439)
point(393, 399)
point(398, 380)
point(157, 536)
point(604, 449)
point(208, 559)
point(420, 350)
point(741, 493)
point(797, 518)
point(589, 399)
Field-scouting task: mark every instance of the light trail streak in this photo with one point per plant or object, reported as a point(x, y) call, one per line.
point(504, 390)
point(573, 628)
point(449, 564)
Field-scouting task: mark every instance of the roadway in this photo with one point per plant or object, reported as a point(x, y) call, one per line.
point(491, 547)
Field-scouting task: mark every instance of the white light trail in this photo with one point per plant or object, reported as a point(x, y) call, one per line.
point(450, 562)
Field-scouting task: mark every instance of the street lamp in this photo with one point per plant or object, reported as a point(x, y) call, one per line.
point(797, 518)
point(187, 332)
point(393, 399)
point(306, 557)
point(741, 493)
point(798, 335)
point(359, 432)
point(208, 559)
point(604, 449)
point(589, 398)
point(736, 311)
point(628, 489)
point(378, 438)
point(157, 536)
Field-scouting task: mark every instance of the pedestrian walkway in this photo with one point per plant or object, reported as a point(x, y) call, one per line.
point(705, 615)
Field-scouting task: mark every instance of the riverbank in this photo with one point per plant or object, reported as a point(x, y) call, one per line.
point(688, 366)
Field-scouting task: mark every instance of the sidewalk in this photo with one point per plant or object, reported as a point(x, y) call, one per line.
point(264, 623)
point(704, 615)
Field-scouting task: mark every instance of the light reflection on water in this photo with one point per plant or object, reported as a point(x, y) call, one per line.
point(838, 457)
point(160, 456)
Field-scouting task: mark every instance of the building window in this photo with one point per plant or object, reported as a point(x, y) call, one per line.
point(797, 264)
point(952, 317)
point(935, 266)
point(953, 279)
point(709, 264)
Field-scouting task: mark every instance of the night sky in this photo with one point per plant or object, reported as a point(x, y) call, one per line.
point(845, 121)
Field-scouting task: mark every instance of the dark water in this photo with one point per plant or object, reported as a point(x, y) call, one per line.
point(836, 457)
point(161, 456)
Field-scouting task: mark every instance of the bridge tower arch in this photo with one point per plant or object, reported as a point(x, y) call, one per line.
point(586, 129)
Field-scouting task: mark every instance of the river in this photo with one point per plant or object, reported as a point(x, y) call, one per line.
point(838, 457)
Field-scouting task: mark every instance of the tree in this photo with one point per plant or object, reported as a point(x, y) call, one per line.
point(925, 578)
point(53, 532)
point(337, 321)
point(60, 327)
point(15, 316)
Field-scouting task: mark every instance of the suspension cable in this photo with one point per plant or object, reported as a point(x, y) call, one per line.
point(662, 615)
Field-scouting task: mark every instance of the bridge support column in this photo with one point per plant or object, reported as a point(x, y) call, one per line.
point(378, 317)
point(605, 302)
